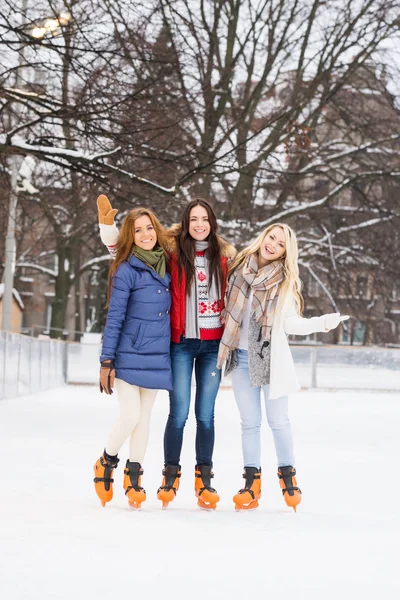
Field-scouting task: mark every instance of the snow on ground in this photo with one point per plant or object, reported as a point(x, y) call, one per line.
point(58, 543)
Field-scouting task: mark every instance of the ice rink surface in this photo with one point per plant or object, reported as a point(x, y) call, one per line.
point(58, 543)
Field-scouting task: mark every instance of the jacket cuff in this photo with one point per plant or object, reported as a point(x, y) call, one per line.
point(109, 234)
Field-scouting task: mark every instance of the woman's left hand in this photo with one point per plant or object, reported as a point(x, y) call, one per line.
point(105, 211)
point(333, 320)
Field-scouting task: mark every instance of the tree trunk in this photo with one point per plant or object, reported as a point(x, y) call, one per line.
point(62, 287)
point(77, 295)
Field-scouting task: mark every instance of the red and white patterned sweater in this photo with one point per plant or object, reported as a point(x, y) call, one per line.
point(209, 309)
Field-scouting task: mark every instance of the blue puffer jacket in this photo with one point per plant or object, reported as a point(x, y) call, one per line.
point(137, 332)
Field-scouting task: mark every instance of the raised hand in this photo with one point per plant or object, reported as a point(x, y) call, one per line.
point(106, 211)
point(333, 320)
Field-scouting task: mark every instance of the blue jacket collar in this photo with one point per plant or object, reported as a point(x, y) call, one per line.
point(139, 264)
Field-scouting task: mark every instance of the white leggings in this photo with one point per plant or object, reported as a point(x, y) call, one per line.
point(135, 405)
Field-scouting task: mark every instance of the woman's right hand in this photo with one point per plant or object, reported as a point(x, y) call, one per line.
point(332, 320)
point(105, 210)
point(107, 376)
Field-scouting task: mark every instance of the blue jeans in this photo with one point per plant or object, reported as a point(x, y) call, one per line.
point(249, 404)
point(203, 354)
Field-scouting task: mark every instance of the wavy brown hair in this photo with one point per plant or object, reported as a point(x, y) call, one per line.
point(126, 241)
point(186, 245)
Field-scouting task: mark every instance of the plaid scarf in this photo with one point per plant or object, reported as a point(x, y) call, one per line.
point(265, 282)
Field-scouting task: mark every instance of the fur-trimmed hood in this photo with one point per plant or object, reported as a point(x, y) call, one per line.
point(227, 249)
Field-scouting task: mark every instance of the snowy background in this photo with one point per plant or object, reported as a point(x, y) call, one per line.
point(57, 542)
point(284, 128)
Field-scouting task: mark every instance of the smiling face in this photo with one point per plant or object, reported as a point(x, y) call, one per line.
point(273, 246)
point(199, 223)
point(144, 233)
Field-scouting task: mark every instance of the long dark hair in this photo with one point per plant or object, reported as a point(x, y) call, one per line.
point(186, 246)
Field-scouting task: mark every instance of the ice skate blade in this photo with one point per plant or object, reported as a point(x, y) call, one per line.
point(166, 497)
point(204, 506)
point(246, 507)
point(207, 501)
point(164, 503)
point(293, 502)
point(239, 500)
point(294, 506)
point(103, 501)
point(135, 507)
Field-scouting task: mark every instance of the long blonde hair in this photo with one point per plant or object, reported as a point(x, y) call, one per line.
point(291, 283)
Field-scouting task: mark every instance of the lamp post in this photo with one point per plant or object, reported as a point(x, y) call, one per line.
point(10, 247)
point(52, 27)
point(9, 266)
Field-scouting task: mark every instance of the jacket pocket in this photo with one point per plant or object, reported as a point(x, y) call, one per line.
point(137, 337)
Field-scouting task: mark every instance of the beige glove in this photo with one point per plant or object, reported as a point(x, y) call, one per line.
point(333, 320)
point(106, 211)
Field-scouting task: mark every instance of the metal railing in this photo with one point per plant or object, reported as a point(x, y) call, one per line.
point(317, 366)
point(350, 367)
point(62, 334)
point(29, 365)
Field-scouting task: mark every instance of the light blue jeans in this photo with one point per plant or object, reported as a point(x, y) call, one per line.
point(248, 400)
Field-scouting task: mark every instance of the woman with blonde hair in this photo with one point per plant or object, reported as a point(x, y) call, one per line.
point(263, 305)
point(135, 355)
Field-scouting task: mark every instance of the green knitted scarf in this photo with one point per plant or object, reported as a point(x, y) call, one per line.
point(152, 258)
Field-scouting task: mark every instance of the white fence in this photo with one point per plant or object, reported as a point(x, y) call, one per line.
point(29, 365)
point(350, 367)
point(83, 362)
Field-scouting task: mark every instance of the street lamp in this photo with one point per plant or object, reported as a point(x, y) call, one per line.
point(51, 26)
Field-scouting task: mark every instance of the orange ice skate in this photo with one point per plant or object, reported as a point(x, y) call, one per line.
point(287, 480)
point(170, 484)
point(247, 498)
point(207, 496)
point(103, 471)
point(133, 491)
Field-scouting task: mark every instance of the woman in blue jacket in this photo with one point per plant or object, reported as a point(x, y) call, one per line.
point(136, 347)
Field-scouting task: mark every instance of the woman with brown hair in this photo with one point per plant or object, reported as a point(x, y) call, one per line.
point(199, 268)
point(135, 354)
